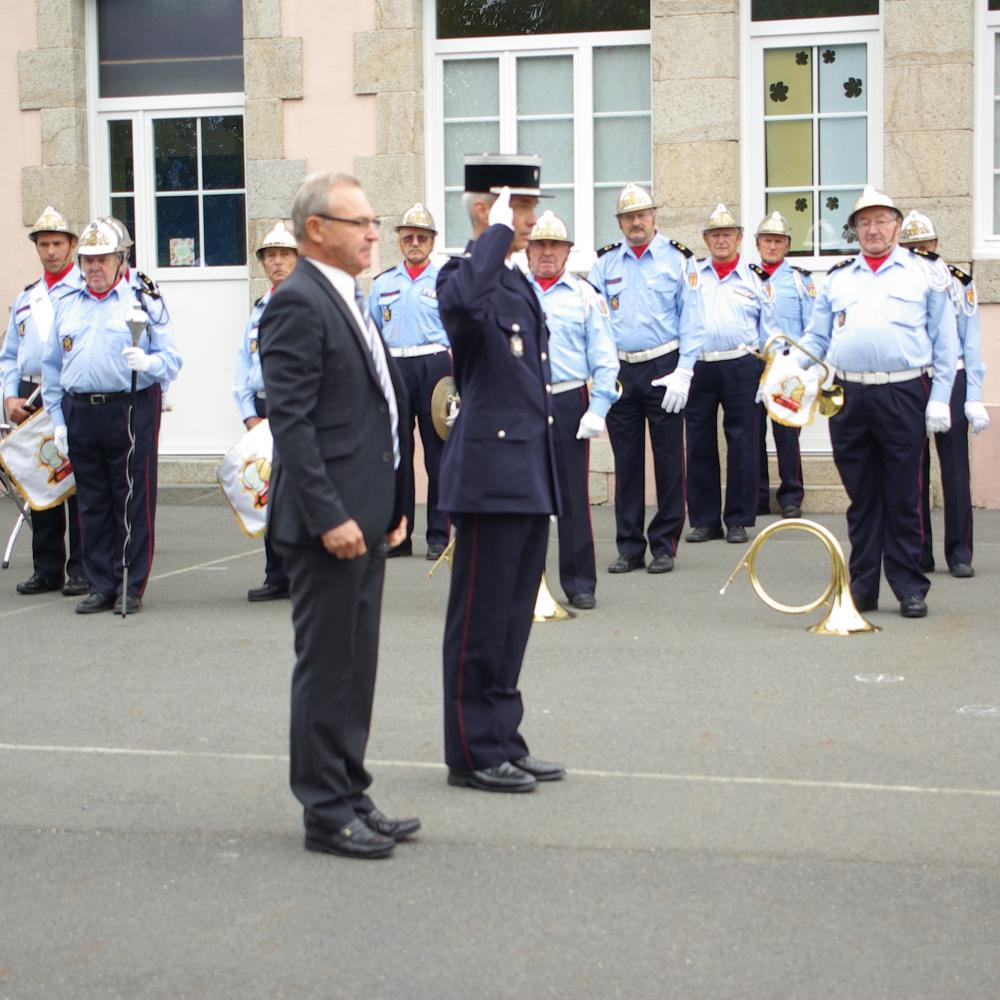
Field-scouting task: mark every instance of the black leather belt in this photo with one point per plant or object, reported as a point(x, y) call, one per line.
point(98, 398)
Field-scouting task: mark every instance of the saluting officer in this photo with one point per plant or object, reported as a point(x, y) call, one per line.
point(739, 316)
point(28, 332)
point(581, 349)
point(917, 233)
point(648, 282)
point(277, 253)
point(794, 294)
point(498, 479)
point(883, 320)
point(86, 381)
point(403, 304)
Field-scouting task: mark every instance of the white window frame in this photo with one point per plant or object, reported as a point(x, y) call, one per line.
point(985, 243)
point(142, 111)
point(506, 49)
point(757, 36)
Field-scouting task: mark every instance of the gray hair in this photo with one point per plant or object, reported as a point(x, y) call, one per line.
point(469, 199)
point(313, 198)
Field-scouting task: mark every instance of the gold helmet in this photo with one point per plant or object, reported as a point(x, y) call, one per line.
point(634, 199)
point(125, 241)
point(774, 224)
point(550, 227)
point(721, 218)
point(916, 228)
point(51, 221)
point(279, 236)
point(870, 198)
point(417, 217)
point(98, 238)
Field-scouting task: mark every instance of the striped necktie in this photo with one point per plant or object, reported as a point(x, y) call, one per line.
point(377, 351)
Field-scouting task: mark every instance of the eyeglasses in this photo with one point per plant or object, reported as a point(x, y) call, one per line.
point(415, 238)
point(357, 223)
point(881, 223)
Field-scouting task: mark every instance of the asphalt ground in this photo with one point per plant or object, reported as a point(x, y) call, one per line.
point(751, 811)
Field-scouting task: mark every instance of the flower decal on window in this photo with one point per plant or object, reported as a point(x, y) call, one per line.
point(833, 204)
point(801, 58)
point(779, 91)
point(848, 235)
point(801, 204)
point(829, 56)
point(852, 87)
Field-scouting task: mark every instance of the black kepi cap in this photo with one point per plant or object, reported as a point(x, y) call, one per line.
point(522, 174)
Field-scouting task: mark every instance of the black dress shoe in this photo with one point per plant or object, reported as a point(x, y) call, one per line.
point(865, 603)
point(625, 564)
point(703, 534)
point(763, 508)
point(926, 567)
point(356, 840)
point(94, 603)
point(791, 510)
point(133, 605)
point(434, 552)
point(913, 606)
point(269, 592)
point(38, 584)
point(399, 550)
point(736, 535)
point(503, 777)
point(585, 602)
point(661, 564)
point(76, 586)
point(397, 829)
point(962, 571)
point(540, 770)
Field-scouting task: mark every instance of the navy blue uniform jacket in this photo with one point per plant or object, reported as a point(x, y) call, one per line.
point(500, 455)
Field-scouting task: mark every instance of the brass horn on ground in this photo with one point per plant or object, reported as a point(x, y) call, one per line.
point(842, 617)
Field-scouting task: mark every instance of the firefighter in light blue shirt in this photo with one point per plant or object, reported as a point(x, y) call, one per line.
point(31, 325)
point(403, 303)
point(967, 409)
point(794, 294)
point(278, 254)
point(581, 351)
point(739, 316)
point(649, 285)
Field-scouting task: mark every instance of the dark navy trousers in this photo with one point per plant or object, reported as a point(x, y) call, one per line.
point(786, 447)
point(878, 445)
point(495, 574)
point(627, 420)
point(274, 567)
point(577, 567)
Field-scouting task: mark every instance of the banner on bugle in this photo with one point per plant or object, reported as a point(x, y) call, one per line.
point(245, 475)
point(789, 393)
point(40, 471)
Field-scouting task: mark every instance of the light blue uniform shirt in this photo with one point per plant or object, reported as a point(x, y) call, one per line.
point(406, 310)
point(249, 377)
point(794, 294)
point(967, 309)
point(651, 299)
point(738, 311)
point(581, 345)
point(22, 347)
point(888, 320)
point(84, 353)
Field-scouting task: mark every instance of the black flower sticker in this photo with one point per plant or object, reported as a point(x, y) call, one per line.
point(833, 204)
point(801, 204)
point(801, 58)
point(829, 56)
point(852, 87)
point(848, 235)
point(779, 91)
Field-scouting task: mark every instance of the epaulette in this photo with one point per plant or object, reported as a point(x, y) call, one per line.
point(843, 263)
point(31, 284)
point(148, 284)
point(957, 272)
point(929, 254)
point(386, 271)
point(587, 281)
point(610, 246)
point(683, 249)
point(258, 302)
point(801, 270)
point(760, 272)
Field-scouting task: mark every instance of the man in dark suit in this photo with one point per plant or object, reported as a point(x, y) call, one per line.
point(336, 502)
point(498, 479)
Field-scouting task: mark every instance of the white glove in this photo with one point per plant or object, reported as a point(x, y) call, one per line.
point(676, 387)
point(61, 439)
point(500, 211)
point(937, 417)
point(452, 415)
point(761, 394)
point(976, 414)
point(590, 426)
point(137, 359)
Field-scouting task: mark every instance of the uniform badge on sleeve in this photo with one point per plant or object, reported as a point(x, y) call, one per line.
point(253, 346)
point(693, 279)
point(614, 302)
point(811, 290)
point(20, 329)
point(841, 317)
point(67, 344)
point(386, 313)
point(970, 296)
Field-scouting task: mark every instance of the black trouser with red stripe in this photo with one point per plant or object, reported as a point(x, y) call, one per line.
point(495, 575)
point(48, 532)
point(953, 454)
point(786, 447)
point(98, 447)
point(878, 444)
point(577, 568)
point(274, 568)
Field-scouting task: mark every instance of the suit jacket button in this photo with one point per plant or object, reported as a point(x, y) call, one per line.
point(548, 388)
point(515, 327)
point(383, 408)
point(552, 420)
point(386, 456)
point(501, 434)
point(545, 357)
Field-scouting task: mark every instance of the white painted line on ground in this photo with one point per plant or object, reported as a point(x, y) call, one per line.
point(708, 779)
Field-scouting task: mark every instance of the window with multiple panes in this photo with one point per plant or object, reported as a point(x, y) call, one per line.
point(986, 221)
point(568, 82)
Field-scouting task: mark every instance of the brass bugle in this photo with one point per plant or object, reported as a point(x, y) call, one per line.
point(830, 400)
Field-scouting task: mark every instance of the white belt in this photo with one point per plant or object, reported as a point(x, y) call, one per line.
point(634, 357)
point(33, 379)
point(881, 378)
point(737, 352)
point(417, 352)
point(573, 383)
point(262, 394)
